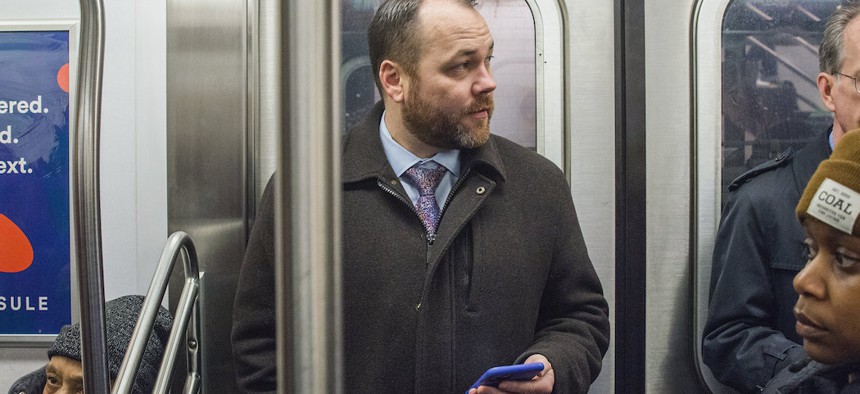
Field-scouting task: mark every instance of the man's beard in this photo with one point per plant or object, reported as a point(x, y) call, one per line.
point(443, 130)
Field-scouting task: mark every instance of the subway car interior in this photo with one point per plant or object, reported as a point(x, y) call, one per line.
point(167, 120)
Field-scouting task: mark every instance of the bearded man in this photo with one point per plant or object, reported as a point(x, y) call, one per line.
point(462, 250)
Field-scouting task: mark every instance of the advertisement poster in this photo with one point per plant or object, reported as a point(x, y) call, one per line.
point(35, 250)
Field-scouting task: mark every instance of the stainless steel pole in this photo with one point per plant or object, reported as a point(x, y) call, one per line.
point(308, 278)
point(85, 181)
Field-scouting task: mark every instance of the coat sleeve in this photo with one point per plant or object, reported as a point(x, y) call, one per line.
point(740, 344)
point(573, 321)
point(253, 336)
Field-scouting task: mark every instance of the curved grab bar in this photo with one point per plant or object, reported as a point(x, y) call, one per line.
point(85, 181)
point(179, 242)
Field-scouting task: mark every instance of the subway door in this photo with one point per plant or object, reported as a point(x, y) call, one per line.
point(589, 88)
point(729, 85)
point(755, 91)
point(554, 68)
point(670, 337)
point(673, 282)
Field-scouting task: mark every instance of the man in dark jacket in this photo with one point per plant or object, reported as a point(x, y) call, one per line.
point(750, 333)
point(488, 269)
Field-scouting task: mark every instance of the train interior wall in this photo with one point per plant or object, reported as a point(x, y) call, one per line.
point(133, 153)
point(134, 156)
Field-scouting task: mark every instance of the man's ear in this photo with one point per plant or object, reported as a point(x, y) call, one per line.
point(826, 83)
point(393, 79)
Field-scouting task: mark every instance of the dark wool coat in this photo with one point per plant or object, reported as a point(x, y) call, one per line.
point(749, 334)
point(507, 276)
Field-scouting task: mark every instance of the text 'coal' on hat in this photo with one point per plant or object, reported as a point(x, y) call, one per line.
point(833, 194)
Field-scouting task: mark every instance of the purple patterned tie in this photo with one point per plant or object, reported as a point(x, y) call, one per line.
point(426, 179)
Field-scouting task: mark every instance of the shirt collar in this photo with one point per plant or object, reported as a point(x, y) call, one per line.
point(830, 140)
point(401, 159)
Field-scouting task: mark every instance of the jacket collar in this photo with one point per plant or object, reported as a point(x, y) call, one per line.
point(364, 158)
point(807, 158)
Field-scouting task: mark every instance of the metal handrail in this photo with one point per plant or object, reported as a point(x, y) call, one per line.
point(85, 183)
point(187, 310)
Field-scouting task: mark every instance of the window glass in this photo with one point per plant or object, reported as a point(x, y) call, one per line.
point(512, 25)
point(770, 99)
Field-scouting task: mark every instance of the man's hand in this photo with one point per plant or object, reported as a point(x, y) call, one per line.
point(541, 384)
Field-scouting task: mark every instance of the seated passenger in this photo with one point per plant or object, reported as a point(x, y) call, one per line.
point(64, 374)
point(828, 307)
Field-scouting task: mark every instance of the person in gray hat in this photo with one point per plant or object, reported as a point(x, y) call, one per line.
point(64, 374)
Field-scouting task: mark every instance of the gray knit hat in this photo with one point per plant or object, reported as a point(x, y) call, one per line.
point(120, 318)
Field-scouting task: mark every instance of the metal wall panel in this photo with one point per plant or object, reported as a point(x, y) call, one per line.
point(670, 336)
point(207, 182)
point(590, 109)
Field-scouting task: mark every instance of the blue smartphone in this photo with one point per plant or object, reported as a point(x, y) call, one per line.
point(496, 375)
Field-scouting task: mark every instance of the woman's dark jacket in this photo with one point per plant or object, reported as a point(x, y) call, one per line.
point(507, 276)
point(815, 378)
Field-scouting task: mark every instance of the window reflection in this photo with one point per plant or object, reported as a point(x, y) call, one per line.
point(770, 99)
point(512, 25)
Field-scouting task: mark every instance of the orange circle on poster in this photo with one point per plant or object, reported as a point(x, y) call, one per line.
point(63, 77)
point(16, 252)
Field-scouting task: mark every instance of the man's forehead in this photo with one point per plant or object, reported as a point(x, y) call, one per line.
point(466, 31)
point(852, 31)
point(437, 10)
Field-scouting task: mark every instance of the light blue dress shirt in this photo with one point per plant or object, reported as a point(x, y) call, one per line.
point(402, 159)
point(832, 143)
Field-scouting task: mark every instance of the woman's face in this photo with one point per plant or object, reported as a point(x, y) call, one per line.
point(828, 309)
point(64, 376)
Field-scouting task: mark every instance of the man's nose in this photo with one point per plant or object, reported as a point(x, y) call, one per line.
point(485, 82)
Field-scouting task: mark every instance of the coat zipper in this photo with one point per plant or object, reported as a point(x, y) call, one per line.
point(454, 190)
point(430, 237)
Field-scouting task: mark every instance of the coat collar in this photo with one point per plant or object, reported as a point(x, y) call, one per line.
point(364, 158)
point(807, 158)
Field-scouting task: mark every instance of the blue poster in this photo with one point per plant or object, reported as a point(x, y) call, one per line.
point(35, 250)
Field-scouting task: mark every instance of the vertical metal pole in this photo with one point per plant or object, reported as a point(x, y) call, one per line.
point(85, 180)
point(308, 268)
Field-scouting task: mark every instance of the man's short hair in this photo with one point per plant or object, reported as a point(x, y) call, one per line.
point(831, 54)
point(393, 34)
